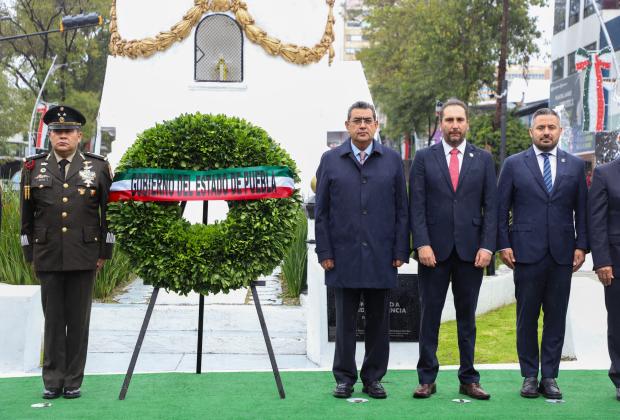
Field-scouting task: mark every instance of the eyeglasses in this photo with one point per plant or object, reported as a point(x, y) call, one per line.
point(359, 121)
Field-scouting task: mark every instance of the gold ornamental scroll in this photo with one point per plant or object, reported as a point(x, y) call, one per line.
point(292, 53)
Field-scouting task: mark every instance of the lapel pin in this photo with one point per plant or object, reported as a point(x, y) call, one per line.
point(563, 160)
point(471, 155)
point(43, 170)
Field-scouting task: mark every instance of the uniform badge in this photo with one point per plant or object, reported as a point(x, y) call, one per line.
point(93, 192)
point(43, 170)
point(41, 177)
point(471, 155)
point(82, 191)
point(87, 175)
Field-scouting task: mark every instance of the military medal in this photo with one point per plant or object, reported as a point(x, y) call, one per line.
point(82, 191)
point(87, 175)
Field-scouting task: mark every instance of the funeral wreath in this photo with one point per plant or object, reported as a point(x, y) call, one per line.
point(193, 157)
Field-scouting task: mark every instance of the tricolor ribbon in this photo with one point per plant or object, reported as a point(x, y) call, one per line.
point(154, 184)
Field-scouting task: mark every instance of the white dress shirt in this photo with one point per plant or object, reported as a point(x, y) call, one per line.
point(553, 161)
point(447, 149)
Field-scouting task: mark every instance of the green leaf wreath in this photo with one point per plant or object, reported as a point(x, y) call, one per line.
point(170, 252)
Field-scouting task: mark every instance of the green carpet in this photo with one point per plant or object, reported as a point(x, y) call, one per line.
point(588, 395)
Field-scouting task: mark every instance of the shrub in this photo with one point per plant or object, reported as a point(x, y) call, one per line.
point(294, 266)
point(15, 270)
point(13, 266)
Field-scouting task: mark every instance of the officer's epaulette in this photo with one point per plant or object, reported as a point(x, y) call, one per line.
point(94, 155)
point(37, 156)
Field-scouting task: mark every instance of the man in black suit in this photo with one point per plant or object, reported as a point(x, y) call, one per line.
point(545, 188)
point(604, 232)
point(453, 218)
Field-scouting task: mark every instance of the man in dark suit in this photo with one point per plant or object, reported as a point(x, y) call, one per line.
point(604, 233)
point(546, 242)
point(361, 239)
point(453, 218)
point(64, 234)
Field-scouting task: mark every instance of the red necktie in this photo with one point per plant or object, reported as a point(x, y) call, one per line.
point(454, 168)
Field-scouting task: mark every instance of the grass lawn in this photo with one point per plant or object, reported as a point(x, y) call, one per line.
point(496, 340)
point(254, 396)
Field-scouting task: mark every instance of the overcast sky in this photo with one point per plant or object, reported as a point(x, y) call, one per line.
point(545, 26)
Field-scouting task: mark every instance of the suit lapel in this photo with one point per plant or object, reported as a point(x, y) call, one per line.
point(52, 166)
point(76, 165)
point(468, 158)
point(442, 163)
point(531, 161)
point(560, 169)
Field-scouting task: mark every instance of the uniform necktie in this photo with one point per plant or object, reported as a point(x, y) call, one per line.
point(547, 172)
point(454, 168)
point(362, 157)
point(61, 165)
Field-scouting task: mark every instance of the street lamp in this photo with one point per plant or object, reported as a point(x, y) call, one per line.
point(67, 23)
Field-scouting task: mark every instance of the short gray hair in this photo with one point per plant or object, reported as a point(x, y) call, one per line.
point(361, 105)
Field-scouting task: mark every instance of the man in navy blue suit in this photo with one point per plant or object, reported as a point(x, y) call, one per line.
point(545, 188)
point(604, 233)
point(361, 217)
point(453, 218)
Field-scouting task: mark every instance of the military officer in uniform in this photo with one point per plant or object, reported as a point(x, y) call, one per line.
point(64, 234)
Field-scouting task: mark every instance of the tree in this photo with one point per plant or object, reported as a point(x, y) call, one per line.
point(12, 107)
point(423, 51)
point(482, 134)
point(82, 54)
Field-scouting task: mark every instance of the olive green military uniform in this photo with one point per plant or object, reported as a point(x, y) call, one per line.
point(64, 233)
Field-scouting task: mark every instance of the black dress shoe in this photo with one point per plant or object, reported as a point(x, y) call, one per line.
point(51, 394)
point(71, 393)
point(343, 391)
point(529, 389)
point(375, 390)
point(550, 389)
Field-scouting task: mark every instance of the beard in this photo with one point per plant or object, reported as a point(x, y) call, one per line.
point(546, 147)
point(452, 140)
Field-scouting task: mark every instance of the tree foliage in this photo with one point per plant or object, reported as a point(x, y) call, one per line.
point(423, 51)
point(482, 134)
point(81, 54)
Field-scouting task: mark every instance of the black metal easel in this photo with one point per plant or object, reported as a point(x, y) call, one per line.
point(149, 312)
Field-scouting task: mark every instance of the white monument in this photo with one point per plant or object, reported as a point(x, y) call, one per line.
point(298, 105)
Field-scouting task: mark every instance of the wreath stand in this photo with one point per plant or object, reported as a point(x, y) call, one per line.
point(149, 311)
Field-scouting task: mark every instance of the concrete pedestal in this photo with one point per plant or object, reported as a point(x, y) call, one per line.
point(21, 323)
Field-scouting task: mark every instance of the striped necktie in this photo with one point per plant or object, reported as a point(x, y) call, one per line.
point(362, 157)
point(547, 172)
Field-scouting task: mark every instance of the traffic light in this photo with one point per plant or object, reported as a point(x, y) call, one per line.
point(80, 21)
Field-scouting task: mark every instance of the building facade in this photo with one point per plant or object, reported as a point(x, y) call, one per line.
point(576, 26)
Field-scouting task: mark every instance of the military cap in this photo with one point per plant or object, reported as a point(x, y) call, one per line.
point(63, 117)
